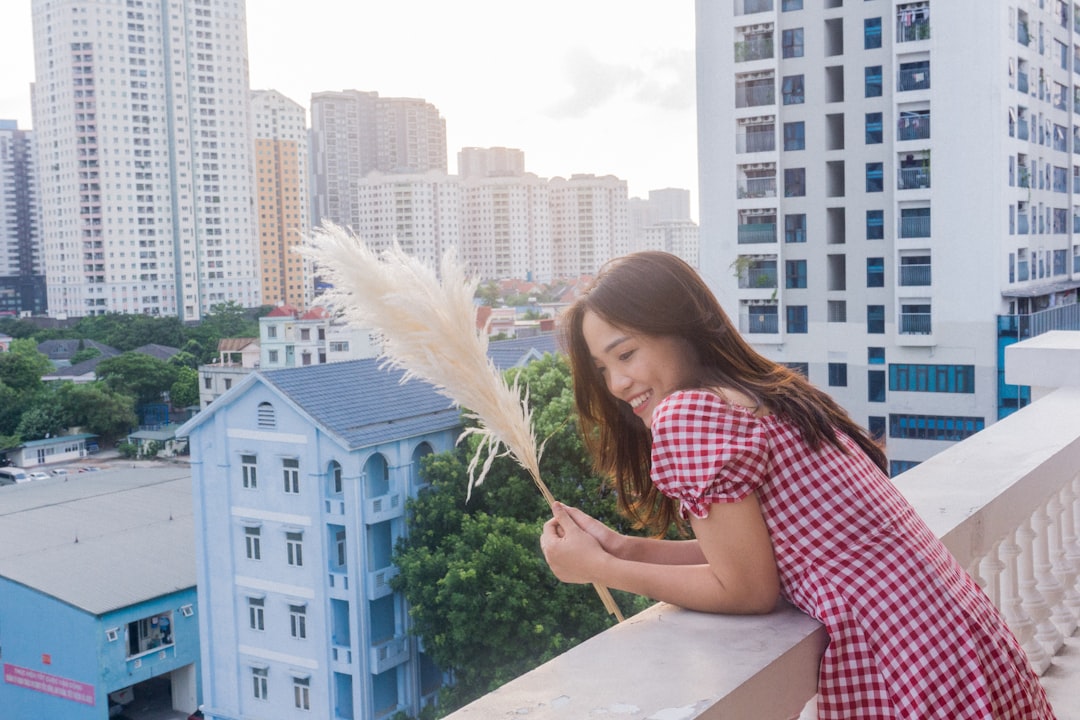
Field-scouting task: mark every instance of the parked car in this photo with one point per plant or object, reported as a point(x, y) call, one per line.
point(11, 475)
point(60, 471)
point(39, 475)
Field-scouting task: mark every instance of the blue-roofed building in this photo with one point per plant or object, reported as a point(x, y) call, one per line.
point(519, 352)
point(300, 478)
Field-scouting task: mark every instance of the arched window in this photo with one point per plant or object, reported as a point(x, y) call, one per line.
point(266, 415)
point(333, 475)
point(377, 476)
point(414, 473)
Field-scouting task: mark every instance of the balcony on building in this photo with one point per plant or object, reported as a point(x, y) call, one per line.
point(1005, 501)
point(915, 222)
point(757, 227)
point(755, 89)
point(749, 7)
point(914, 270)
point(755, 43)
point(757, 180)
point(756, 136)
point(913, 76)
point(913, 125)
point(757, 272)
point(914, 171)
point(913, 22)
point(915, 319)
point(759, 317)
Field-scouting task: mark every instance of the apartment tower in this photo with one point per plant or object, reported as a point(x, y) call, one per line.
point(144, 144)
point(590, 223)
point(887, 196)
point(354, 133)
point(22, 279)
point(281, 178)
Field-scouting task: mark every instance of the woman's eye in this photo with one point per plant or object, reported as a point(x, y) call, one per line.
point(626, 355)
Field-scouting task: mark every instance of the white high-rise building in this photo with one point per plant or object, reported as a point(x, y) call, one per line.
point(144, 137)
point(887, 197)
point(422, 213)
point(354, 133)
point(590, 223)
point(490, 162)
point(506, 227)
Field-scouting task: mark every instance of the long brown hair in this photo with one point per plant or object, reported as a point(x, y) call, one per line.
point(657, 294)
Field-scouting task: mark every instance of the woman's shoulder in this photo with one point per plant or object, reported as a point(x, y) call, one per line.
point(704, 405)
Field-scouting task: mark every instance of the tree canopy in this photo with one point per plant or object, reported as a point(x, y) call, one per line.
point(145, 377)
point(481, 595)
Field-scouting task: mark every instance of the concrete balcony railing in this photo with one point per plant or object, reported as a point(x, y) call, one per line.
point(1006, 502)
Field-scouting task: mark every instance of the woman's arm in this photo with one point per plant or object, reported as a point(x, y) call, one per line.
point(628, 547)
point(739, 575)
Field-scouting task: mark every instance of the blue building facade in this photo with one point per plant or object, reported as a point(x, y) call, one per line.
point(300, 478)
point(97, 595)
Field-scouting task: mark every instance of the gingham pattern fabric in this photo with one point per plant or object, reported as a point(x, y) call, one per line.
point(911, 635)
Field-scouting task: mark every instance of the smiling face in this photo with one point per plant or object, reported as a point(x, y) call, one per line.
point(640, 370)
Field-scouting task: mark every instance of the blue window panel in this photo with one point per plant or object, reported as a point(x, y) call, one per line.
point(792, 88)
point(875, 224)
point(874, 133)
point(792, 43)
point(872, 33)
point(875, 272)
point(875, 177)
point(795, 182)
point(837, 374)
point(875, 319)
point(795, 135)
point(875, 355)
point(795, 228)
point(872, 81)
point(796, 319)
point(795, 274)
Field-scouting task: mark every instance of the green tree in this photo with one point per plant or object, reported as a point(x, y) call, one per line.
point(41, 420)
point(142, 376)
point(11, 409)
point(481, 595)
point(488, 294)
point(22, 370)
point(184, 359)
point(84, 354)
point(97, 408)
point(185, 391)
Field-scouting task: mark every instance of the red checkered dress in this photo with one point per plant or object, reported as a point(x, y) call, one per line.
point(911, 635)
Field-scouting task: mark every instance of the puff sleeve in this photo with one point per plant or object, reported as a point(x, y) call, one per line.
point(706, 451)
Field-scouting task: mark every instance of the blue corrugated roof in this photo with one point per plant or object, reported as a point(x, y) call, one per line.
point(510, 353)
point(364, 403)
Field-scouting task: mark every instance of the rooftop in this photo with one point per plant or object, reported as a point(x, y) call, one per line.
point(62, 535)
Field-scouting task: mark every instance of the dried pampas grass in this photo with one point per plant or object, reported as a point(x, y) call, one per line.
point(427, 327)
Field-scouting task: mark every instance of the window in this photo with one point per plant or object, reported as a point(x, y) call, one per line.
point(271, 331)
point(875, 356)
point(875, 177)
point(258, 681)
point(305, 333)
point(247, 470)
point(875, 224)
point(302, 693)
point(340, 547)
point(875, 272)
point(290, 470)
point(795, 182)
point(149, 633)
point(837, 311)
point(876, 425)
point(873, 128)
point(914, 76)
point(795, 273)
point(796, 319)
point(336, 486)
point(253, 543)
point(792, 43)
point(872, 33)
point(339, 346)
point(837, 374)
point(789, 5)
point(915, 319)
point(762, 319)
point(228, 383)
point(272, 357)
point(799, 367)
point(795, 228)
point(932, 378)
point(875, 319)
point(872, 81)
point(934, 427)
point(256, 616)
point(875, 386)
point(207, 382)
point(795, 136)
point(793, 90)
point(298, 621)
point(294, 548)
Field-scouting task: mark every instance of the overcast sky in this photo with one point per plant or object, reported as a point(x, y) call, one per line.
point(582, 86)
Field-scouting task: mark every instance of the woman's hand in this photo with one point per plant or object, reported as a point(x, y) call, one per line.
point(609, 539)
point(573, 553)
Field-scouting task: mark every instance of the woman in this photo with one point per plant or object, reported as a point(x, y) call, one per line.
point(785, 495)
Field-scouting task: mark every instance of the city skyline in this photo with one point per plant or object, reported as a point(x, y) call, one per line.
point(611, 93)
